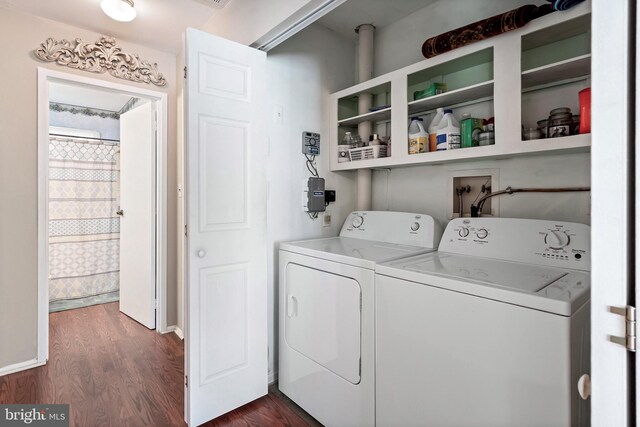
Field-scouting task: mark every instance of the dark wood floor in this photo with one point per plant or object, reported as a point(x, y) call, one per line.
point(115, 372)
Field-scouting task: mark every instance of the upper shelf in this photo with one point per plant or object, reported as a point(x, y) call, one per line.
point(373, 116)
point(455, 97)
point(568, 144)
point(579, 66)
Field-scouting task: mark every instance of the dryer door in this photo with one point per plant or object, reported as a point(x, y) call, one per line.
point(323, 319)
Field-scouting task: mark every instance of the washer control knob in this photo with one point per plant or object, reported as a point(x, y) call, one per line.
point(463, 232)
point(556, 239)
point(415, 226)
point(357, 221)
point(482, 233)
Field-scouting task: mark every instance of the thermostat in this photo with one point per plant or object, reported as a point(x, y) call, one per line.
point(310, 143)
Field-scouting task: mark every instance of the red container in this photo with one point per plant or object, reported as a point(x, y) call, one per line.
point(585, 110)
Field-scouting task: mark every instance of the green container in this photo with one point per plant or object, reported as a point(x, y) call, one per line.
point(470, 129)
point(433, 89)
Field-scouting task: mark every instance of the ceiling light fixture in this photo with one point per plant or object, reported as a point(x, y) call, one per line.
point(120, 10)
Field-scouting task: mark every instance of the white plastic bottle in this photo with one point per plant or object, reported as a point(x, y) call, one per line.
point(418, 137)
point(448, 132)
point(433, 129)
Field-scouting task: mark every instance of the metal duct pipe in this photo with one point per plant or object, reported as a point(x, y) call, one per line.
point(365, 101)
point(365, 52)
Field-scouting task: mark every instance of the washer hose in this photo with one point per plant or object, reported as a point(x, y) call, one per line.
point(476, 210)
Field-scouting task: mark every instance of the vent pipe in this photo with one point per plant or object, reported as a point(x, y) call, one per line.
point(365, 101)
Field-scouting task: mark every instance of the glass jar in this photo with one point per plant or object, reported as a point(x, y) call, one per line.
point(343, 149)
point(531, 133)
point(560, 125)
point(542, 125)
point(486, 138)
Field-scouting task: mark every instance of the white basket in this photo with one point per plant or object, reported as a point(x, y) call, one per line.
point(369, 152)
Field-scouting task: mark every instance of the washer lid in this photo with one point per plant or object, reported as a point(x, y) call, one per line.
point(510, 275)
point(357, 252)
point(543, 288)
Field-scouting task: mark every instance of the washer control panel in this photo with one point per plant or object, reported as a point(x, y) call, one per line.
point(552, 243)
point(393, 227)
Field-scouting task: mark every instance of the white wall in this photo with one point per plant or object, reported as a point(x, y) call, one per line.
point(424, 189)
point(399, 44)
point(20, 34)
point(302, 72)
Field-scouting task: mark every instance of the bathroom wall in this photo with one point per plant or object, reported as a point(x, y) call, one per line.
point(108, 127)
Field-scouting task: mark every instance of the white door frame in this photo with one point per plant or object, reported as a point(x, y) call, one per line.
point(45, 76)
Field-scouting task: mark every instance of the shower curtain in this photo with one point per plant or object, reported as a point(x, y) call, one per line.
point(83, 226)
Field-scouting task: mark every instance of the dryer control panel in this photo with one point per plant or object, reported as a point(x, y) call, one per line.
point(401, 228)
point(552, 243)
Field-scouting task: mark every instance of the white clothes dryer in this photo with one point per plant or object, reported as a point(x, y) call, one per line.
point(326, 303)
point(491, 330)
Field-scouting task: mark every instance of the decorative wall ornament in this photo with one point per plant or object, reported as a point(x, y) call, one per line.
point(104, 56)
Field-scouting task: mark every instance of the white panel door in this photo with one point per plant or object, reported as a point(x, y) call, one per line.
point(226, 328)
point(138, 215)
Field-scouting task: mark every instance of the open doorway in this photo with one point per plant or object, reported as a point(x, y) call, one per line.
point(102, 199)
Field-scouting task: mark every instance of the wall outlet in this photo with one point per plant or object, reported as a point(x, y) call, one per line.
point(326, 218)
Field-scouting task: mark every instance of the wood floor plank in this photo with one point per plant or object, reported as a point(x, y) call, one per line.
point(115, 372)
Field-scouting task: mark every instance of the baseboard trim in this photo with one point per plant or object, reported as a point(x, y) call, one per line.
point(179, 333)
point(176, 330)
point(21, 366)
point(168, 330)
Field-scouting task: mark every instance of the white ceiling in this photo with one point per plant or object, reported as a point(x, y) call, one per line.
point(345, 18)
point(158, 24)
point(87, 97)
point(161, 23)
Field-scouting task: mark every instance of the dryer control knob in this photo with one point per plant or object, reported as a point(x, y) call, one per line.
point(357, 221)
point(463, 232)
point(482, 233)
point(415, 226)
point(556, 239)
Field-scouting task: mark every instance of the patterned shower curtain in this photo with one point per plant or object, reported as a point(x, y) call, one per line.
point(84, 239)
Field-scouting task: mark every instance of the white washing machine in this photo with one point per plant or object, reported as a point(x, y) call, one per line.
point(491, 330)
point(326, 303)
